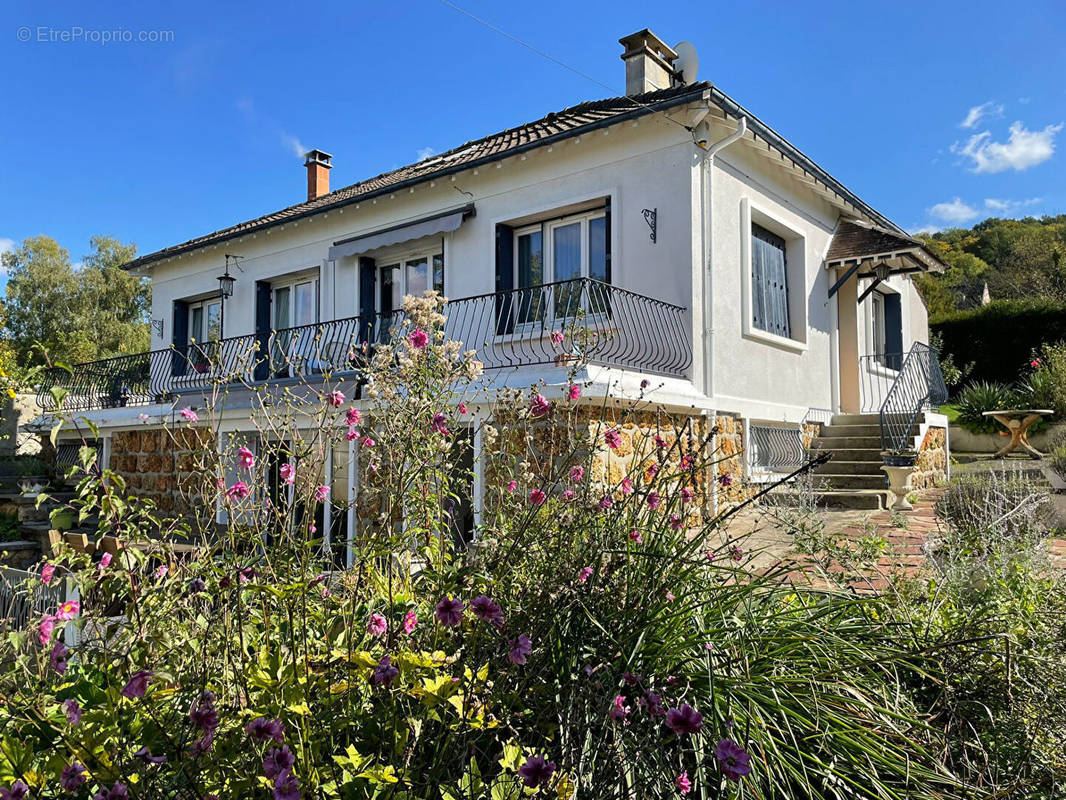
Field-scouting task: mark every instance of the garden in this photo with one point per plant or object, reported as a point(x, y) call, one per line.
point(588, 642)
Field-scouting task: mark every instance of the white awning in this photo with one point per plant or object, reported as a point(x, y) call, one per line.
point(443, 222)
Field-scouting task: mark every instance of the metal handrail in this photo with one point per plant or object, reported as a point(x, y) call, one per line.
point(919, 385)
point(557, 323)
point(877, 372)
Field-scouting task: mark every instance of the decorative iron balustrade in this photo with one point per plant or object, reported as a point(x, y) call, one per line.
point(552, 324)
point(919, 385)
point(877, 373)
point(773, 448)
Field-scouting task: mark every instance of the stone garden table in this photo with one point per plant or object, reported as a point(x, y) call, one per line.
point(1017, 421)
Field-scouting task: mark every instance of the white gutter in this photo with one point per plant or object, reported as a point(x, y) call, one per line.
point(707, 287)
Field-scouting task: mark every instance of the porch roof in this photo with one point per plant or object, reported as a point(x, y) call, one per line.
point(866, 246)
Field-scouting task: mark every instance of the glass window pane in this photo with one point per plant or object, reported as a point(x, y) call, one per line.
point(438, 273)
point(566, 265)
point(391, 291)
point(214, 320)
point(196, 323)
point(417, 277)
point(281, 309)
point(339, 503)
point(598, 248)
point(530, 259)
point(304, 307)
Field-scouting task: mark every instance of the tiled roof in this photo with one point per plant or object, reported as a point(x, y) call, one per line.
point(854, 241)
point(557, 125)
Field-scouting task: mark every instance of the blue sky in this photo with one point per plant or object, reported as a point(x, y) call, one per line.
point(937, 114)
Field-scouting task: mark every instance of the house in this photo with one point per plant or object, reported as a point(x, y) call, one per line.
point(756, 290)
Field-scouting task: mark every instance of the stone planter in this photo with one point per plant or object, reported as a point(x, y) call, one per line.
point(899, 482)
point(899, 459)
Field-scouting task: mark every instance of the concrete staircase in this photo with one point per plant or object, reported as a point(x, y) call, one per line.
point(853, 478)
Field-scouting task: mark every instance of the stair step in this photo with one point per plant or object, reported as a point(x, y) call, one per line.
point(841, 481)
point(859, 500)
point(852, 453)
point(848, 443)
point(839, 466)
point(856, 419)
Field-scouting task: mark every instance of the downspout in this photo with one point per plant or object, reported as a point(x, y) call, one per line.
point(707, 271)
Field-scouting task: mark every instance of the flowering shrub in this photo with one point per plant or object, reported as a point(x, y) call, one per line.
point(585, 644)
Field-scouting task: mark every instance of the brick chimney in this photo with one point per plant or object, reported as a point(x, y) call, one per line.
point(649, 62)
point(318, 167)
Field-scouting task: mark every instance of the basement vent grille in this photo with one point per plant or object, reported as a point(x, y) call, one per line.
point(772, 448)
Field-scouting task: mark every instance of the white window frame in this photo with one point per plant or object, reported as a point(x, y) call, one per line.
point(796, 266)
point(401, 260)
point(291, 284)
point(546, 228)
point(203, 306)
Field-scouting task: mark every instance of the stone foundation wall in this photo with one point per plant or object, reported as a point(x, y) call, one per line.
point(166, 466)
point(931, 467)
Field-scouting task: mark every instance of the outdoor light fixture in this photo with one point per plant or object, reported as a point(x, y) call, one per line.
point(226, 281)
point(882, 271)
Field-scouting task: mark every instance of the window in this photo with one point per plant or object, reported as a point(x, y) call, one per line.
point(205, 328)
point(409, 276)
point(886, 329)
point(555, 251)
point(877, 313)
point(769, 283)
point(295, 304)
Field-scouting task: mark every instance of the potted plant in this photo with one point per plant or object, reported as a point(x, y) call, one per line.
point(899, 466)
point(899, 458)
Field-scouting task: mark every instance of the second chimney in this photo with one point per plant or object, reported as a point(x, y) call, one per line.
point(318, 167)
point(649, 62)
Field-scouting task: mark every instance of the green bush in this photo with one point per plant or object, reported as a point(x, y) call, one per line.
point(998, 338)
point(1045, 386)
point(978, 397)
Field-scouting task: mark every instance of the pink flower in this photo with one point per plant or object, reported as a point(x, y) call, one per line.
point(537, 497)
point(335, 399)
point(410, 622)
point(670, 595)
point(377, 626)
point(652, 470)
point(512, 486)
point(449, 611)
point(686, 461)
point(161, 571)
point(368, 442)
point(619, 710)
point(47, 572)
point(577, 473)
point(105, 562)
point(684, 720)
point(575, 391)
point(568, 494)
point(634, 536)
point(653, 500)
point(287, 472)
point(736, 553)
point(463, 409)
point(137, 685)
point(189, 415)
point(584, 574)
point(660, 441)
point(645, 383)
point(606, 503)
point(246, 458)
point(1035, 363)
point(557, 337)
point(440, 424)
point(322, 493)
point(351, 435)
point(539, 406)
point(675, 522)
point(627, 486)
point(352, 417)
point(734, 759)
point(418, 339)
point(612, 438)
point(520, 650)
point(686, 495)
point(238, 491)
point(68, 610)
point(684, 785)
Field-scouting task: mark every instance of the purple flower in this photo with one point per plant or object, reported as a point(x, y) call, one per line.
point(146, 755)
point(278, 761)
point(117, 792)
point(286, 787)
point(352, 417)
point(263, 729)
point(137, 685)
point(59, 657)
point(539, 406)
point(619, 710)
point(440, 424)
point(654, 704)
point(536, 771)
point(204, 716)
point(73, 777)
point(612, 438)
point(197, 585)
point(520, 650)
point(449, 611)
point(16, 791)
point(203, 744)
point(384, 673)
point(734, 759)
point(487, 610)
point(418, 338)
point(725, 480)
point(73, 711)
point(684, 720)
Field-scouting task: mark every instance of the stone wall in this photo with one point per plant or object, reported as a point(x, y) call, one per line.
point(165, 465)
point(931, 467)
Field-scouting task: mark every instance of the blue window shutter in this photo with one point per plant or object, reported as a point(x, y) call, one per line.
point(893, 330)
point(504, 278)
point(179, 358)
point(769, 282)
point(607, 233)
point(264, 294)
point(367, 286)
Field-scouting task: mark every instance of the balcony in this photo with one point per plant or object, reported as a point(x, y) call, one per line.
point(553, 324)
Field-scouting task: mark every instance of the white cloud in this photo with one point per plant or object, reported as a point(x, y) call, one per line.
point(954, 212)
point(1024, 149)
point(977, 113)
point(1010, 206)
point(930, 229)
point(425, 152)
point(294, 144)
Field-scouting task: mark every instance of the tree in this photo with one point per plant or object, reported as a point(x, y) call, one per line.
point(76, 314)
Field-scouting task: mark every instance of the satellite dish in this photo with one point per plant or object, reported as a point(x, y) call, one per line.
point(687, 64)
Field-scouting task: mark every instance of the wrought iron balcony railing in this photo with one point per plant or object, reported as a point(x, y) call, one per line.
point(552, 324)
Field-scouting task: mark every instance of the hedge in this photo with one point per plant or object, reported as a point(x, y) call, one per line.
point(1000, 337)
